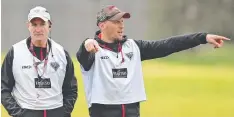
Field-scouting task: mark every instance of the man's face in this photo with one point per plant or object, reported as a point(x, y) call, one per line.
point(39, 29)
point(114, 29)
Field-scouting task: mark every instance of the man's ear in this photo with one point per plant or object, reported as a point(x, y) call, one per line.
point(102, 25)
point(28, 24)
point(50, 24)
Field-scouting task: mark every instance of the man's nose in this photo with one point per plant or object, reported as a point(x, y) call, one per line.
point(38, 29)
point(121, 26)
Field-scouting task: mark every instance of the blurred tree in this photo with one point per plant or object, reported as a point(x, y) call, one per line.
point(185, 16)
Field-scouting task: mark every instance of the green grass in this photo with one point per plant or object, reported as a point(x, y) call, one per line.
point(178, 91)
point(188, 91)
point(203, 56)
point(181, 85)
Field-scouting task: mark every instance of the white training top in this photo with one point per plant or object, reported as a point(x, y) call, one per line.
point(111, 82)
point(24, 91)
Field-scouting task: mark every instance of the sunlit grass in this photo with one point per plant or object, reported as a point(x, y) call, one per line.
point(175, 90)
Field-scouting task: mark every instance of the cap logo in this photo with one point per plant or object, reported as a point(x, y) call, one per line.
point(111, 7)
point(37, 11)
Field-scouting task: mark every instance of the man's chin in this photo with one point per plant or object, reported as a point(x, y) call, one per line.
point(120, 38)
point(39, 38)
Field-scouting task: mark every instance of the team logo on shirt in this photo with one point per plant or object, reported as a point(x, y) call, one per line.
point(129, 55)
point(54, 65)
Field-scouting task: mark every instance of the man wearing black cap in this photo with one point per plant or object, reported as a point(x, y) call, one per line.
point(111, 64)
point(37, 75)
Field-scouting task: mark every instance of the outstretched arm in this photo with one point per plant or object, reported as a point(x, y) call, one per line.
point(165, 47)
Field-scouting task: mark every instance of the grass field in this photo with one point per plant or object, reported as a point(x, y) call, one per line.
point(178, 90)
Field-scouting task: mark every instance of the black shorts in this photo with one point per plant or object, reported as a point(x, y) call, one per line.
point(121, 110)
point(58, 112)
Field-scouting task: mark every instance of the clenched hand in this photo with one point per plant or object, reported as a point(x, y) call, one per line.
point(91, 45)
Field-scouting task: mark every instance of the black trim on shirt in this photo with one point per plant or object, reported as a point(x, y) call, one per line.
point(70, 87)
point(7, 84)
